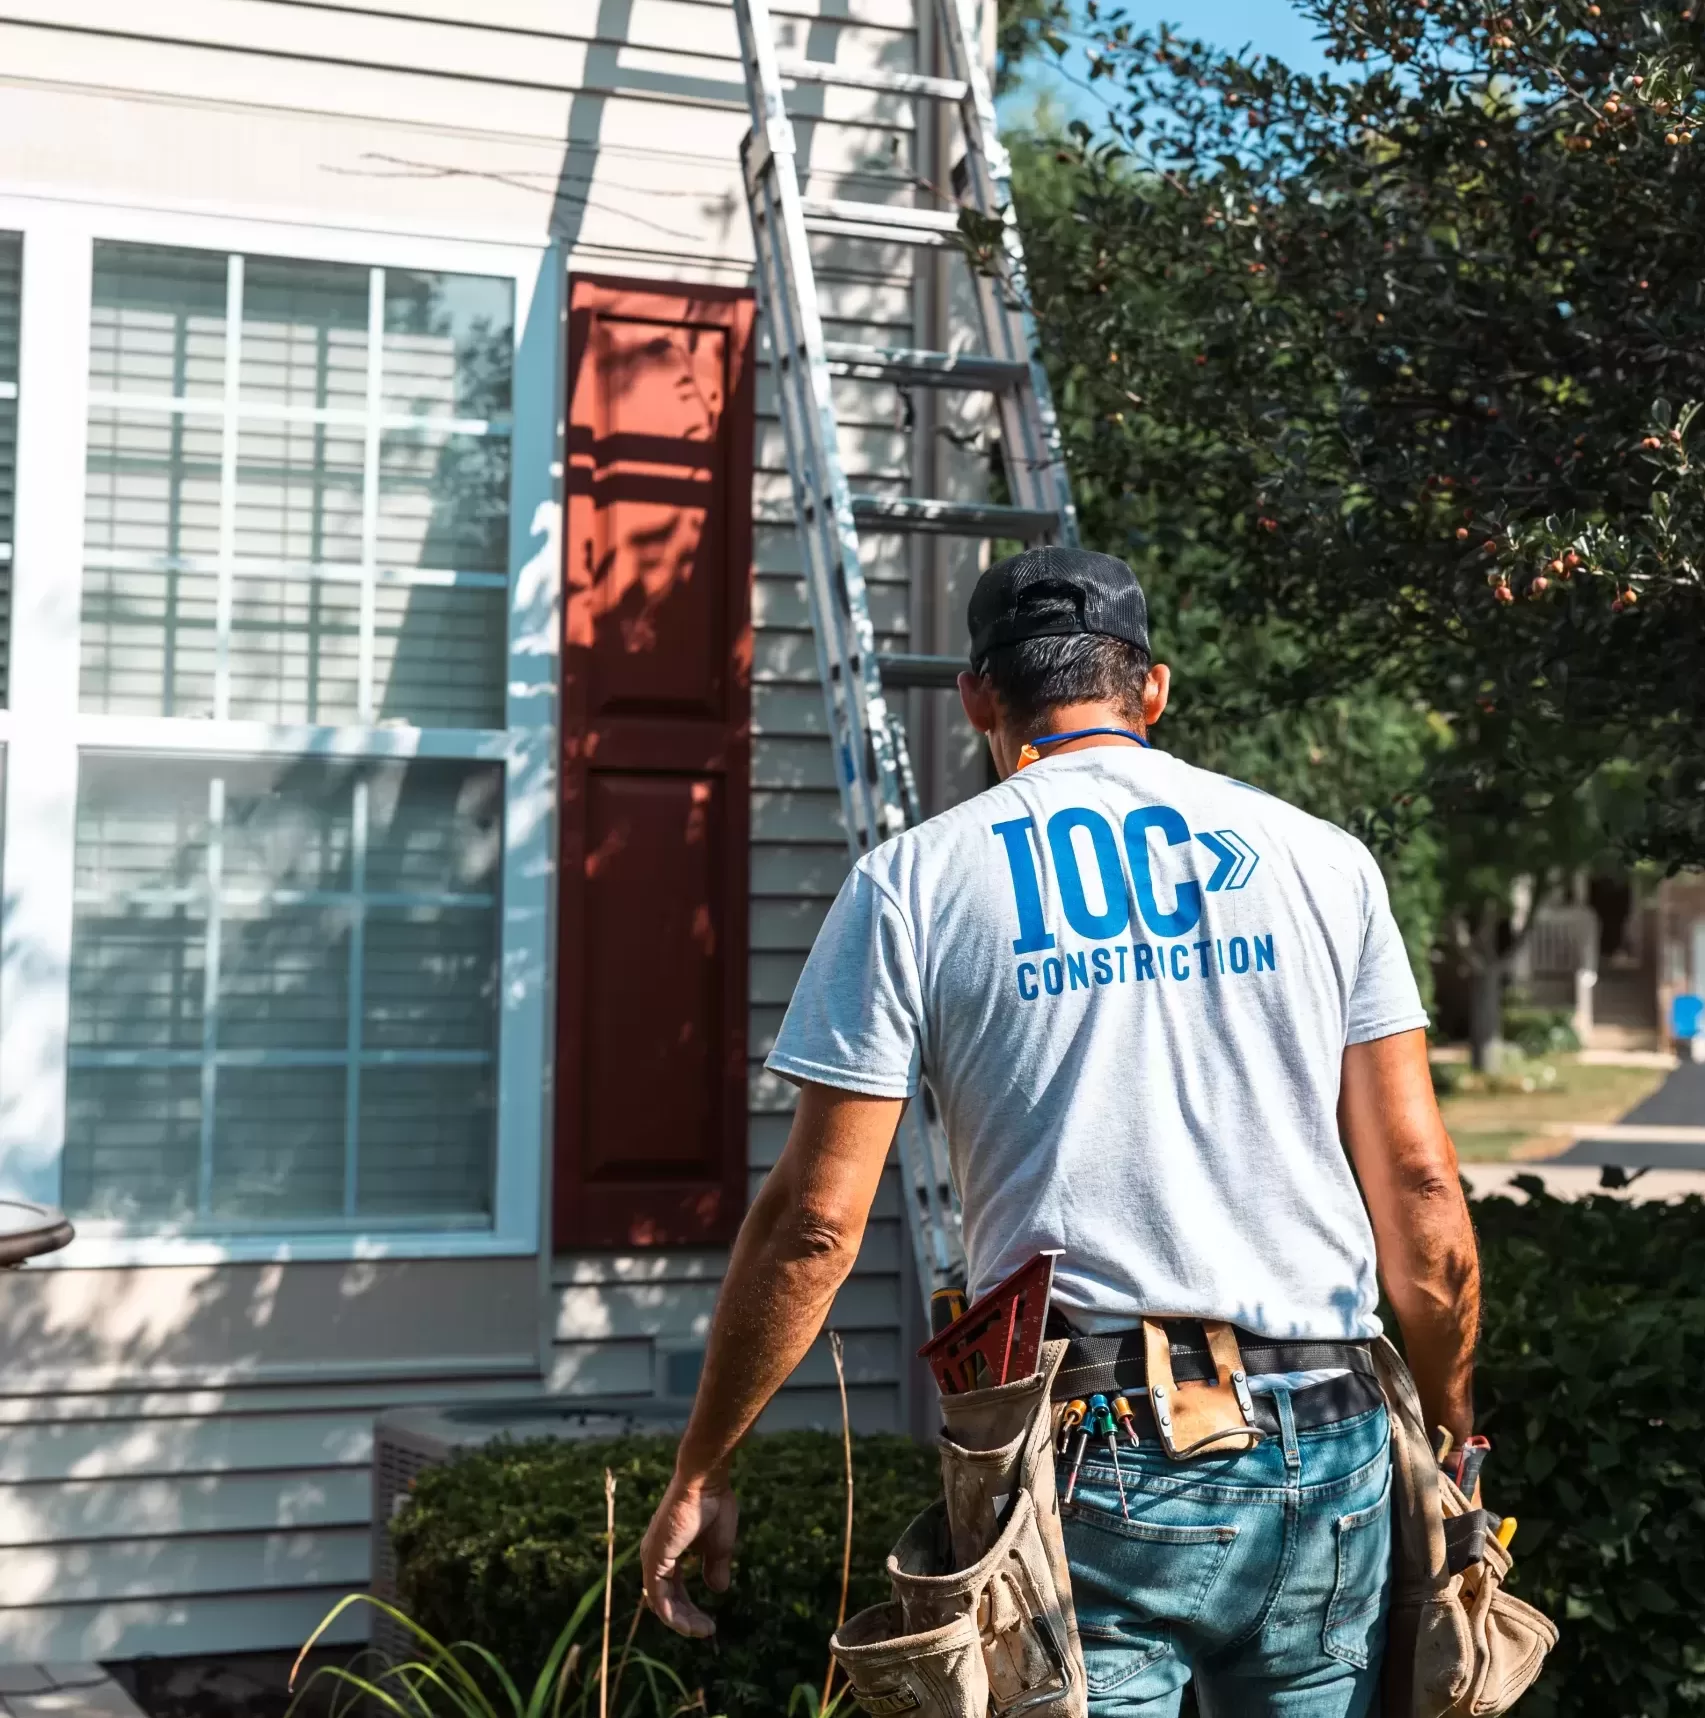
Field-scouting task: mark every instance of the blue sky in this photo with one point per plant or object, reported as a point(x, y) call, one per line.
point(1266, 26)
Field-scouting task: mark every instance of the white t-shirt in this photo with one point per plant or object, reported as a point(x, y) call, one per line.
point(1129, 983)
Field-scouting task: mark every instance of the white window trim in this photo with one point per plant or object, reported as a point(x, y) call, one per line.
point(44, 733)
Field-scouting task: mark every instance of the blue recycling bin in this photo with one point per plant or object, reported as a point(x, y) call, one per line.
point(1687, 1017)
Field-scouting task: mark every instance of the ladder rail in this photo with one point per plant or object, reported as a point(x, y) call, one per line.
point(802, 376)
point(835, 585)
point(877, 787)
point(1036, 460)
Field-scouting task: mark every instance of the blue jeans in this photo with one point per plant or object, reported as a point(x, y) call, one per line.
point(1264, 1575)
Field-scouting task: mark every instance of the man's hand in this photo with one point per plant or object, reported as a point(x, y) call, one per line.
point(793, 1252)
point(698, 1515)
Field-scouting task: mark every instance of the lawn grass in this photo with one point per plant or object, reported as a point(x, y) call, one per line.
point(1525, 1110)
point(1499, 1145)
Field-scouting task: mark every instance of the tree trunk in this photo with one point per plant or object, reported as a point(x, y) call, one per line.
point(1486, 999)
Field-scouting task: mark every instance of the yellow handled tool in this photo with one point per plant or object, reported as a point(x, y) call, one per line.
point(1070, 1420)
point(945, 1305)
point(1506, 1531)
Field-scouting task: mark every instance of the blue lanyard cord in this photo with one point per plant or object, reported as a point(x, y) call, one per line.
point(1084, 734)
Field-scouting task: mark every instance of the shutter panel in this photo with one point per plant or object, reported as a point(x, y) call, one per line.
point(651, 1010)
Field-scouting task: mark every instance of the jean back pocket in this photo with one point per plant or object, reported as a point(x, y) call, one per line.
point(1135, 1582)
point(1355, 1618)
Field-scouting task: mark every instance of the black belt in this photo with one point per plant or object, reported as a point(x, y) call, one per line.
point(1117, 1362)
point(1317, 1405)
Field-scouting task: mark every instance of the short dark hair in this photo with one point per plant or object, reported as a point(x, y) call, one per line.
point(1037, 675)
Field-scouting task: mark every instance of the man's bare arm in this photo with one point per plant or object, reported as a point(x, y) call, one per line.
point(794, 1250)
point(1427, 1258)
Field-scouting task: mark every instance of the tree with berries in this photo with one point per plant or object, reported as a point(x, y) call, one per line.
point(1390, 376)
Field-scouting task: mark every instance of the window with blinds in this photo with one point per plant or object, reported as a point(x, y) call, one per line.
point(298, 491)
point(11, 281)
point(284, 968)
point(283, 989)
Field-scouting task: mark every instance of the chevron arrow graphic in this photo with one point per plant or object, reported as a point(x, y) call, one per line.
point(1249, 857)
point(1236, 858)
point(1229, 859)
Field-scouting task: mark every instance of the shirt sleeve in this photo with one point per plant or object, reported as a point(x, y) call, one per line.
point(1384, 998)
point(856, 1018)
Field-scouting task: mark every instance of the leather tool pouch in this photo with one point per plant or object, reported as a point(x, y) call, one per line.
point(1199, 1419)
point(989, 1557)
point(898, 1673)
point(1458, 1645)
point(1009, 1592)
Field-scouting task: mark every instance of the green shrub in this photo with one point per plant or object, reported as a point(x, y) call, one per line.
point(1541, 1031)
point(1589, 1386)
point(497, 1547)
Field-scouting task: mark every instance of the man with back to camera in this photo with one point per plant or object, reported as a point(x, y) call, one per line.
point(1150, 1000)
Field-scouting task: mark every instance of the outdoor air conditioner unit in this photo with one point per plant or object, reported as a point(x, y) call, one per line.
point(407, 1441)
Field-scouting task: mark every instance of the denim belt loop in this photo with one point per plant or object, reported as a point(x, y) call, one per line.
point(1287, 1429)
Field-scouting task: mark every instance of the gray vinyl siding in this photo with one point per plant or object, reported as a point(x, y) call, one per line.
point(184, 1451)
point(163, 1518)
point(208, 1492)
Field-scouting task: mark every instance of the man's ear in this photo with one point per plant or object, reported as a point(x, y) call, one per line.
point(1156, 690)
point(977, 697)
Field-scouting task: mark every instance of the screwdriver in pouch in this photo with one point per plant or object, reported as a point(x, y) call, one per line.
point(1082, 1425)
point(1127, 1420)
point(1101, 1424)
point(1070, 1420)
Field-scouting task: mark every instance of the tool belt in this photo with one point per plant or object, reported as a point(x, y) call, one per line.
point(1119, 1360)
point(981, 1618)
point(1204, 1404)
point(1458, 1646)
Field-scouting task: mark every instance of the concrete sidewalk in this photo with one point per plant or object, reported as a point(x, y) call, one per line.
point(62, 1691)
point(1576, 1180)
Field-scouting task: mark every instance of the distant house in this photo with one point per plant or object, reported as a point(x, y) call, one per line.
point(1679, 926)
point(416, 805)
point(1611, 950)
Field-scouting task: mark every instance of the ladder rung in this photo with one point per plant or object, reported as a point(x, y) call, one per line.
point(954, 518)
point(925, 369)
point(902, 669)
point(890, 83)
point(880, 221)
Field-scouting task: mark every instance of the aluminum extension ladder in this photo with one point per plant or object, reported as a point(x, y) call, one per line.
point(878, 792)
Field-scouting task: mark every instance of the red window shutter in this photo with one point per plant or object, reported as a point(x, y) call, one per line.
point(656, 723)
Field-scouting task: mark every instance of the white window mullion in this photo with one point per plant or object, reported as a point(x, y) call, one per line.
point(210, 991)
point(41, 762)
point(367, 703)
point(228, 487)
point(357, 979)
point(530, 714)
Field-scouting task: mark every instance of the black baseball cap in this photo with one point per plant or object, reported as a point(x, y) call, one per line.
point(1054, 592)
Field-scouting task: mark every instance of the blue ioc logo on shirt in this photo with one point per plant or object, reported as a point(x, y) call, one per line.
point(1235, 863)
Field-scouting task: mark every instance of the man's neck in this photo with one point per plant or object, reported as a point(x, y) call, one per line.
point(1072, 719)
